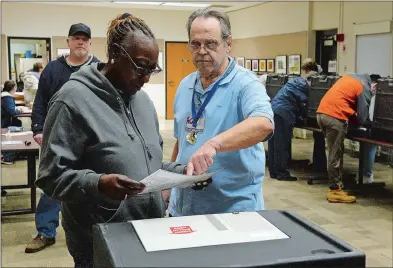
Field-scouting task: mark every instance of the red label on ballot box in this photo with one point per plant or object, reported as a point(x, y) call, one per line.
point(181, 230)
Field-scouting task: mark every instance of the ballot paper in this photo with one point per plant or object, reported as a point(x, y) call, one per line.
point(205, 230)
point(162, 180)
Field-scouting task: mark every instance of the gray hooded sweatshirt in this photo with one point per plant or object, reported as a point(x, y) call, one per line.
point(91, 131)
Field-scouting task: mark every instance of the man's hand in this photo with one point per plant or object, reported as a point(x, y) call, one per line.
point(119, 187)
point(38, 138)
point(202, 159)
point(166, 195)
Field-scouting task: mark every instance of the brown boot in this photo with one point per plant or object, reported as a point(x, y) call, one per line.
point(39, 243)
point(339, 196)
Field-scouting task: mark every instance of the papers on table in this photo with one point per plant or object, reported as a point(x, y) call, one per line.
point(11, 134)
point(162, 180)
point(11, 142)
point(205, 230)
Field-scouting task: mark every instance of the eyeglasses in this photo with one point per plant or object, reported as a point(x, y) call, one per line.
point(140, 70)
point(210, 45)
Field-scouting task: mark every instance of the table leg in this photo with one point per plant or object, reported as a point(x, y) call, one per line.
point(361, 163)
point(31, 176)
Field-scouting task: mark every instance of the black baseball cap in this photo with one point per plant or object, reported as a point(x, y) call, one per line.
point(79, 28)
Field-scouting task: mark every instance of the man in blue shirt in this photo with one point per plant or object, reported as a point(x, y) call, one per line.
point(222, 115)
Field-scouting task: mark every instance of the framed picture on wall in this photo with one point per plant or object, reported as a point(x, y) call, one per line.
point(294, 63)
point(262, 65)
point(281, 64)
point(240, 61)
point(270, 66)
point(248, 65)
point(255, 65)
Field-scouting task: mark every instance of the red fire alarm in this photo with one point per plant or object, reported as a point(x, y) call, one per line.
point(340, 37)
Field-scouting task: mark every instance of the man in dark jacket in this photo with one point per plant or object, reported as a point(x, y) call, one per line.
point(289, 103)
point(53, 77)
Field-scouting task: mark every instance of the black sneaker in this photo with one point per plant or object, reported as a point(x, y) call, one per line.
point(6, 162)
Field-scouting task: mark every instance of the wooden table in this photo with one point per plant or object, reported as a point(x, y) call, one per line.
point(28, 114)
point(20, 103)
point(31, 151)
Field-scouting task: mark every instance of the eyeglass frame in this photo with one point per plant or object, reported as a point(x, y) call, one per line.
point(140, 70)
point(204, 46)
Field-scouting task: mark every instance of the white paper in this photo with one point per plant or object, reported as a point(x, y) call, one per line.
point(205, 230)
point(332, 67)
point(162, 180)
point(11, 142)
point(23, 133)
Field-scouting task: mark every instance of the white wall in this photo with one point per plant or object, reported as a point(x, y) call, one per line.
point(356, 13)
point(325, 15)
point(156, 93)
point(345, 17)
point(45, 20)
point(269, 19)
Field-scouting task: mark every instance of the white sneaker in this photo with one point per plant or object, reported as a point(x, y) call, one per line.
point(367, 180)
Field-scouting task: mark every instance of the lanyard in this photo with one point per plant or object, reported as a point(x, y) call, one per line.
point(196, 115)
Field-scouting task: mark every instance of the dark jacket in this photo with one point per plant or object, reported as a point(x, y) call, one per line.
point(291, 101)
point(90, 131)
point(52, 78)
point(8, 109)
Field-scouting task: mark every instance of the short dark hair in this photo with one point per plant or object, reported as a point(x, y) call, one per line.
point(120, 27)
point(375, 77)
point(37, 66)
point(208, 12)
point(309, 65)
point(9, 85)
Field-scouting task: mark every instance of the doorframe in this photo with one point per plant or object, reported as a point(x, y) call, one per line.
point(166, 71)
point(47, 39)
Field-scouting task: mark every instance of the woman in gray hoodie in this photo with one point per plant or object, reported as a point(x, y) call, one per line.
point(101, 137)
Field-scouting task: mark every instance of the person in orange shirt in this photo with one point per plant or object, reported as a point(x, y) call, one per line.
point(348, 99)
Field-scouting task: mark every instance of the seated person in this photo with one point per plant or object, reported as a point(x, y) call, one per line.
point(349, 96)
point(8, 115)
point(287, 105)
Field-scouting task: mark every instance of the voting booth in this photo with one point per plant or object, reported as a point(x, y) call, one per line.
point(245, 239)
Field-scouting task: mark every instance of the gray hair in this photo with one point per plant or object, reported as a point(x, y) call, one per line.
point(207, 12)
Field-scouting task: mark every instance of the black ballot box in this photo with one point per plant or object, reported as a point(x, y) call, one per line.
point(118, 245)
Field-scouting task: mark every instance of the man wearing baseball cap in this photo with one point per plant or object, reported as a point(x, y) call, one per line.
point(52, 78)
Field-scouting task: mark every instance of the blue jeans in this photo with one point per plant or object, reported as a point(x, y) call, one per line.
point(47, 216)
point(369, 157)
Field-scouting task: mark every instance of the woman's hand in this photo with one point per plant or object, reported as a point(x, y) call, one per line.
point(119, 187)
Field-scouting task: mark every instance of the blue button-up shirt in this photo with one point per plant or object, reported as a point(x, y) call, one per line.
point(238, 186)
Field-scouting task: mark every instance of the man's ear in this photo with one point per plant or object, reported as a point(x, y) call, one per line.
point(229, 44)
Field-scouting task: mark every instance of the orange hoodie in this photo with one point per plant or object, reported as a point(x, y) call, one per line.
point(351, 94)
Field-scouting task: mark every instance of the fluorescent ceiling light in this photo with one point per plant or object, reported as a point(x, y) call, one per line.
point(140, 3)
point(185, 4)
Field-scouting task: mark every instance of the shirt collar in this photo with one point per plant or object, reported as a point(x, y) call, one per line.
point(228, 75)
